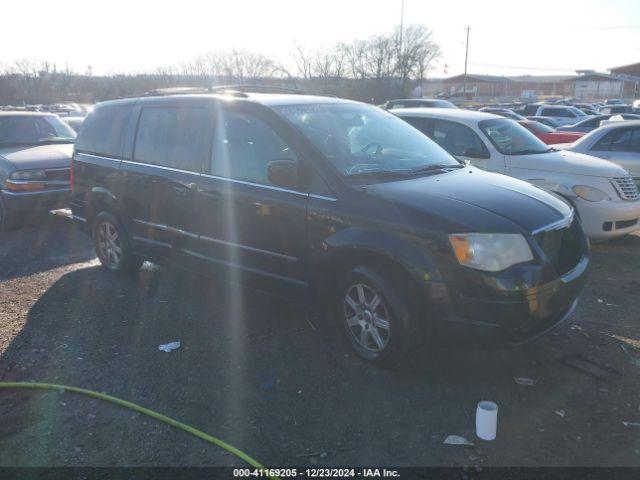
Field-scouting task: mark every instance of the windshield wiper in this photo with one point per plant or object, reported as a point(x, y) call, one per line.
point(55, 140)
point(431, 168)
point(529, 152)
point(379, 173)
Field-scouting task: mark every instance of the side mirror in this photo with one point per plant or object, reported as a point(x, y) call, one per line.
point(284, 173)
point(474, 153)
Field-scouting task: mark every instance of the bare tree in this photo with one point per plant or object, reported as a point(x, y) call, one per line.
point(416, 53)
point(304, 62)
point(372, 69)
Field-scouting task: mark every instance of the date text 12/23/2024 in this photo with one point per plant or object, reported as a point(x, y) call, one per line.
point(316, 473)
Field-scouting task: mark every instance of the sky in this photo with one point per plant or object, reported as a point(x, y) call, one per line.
point(540, 37)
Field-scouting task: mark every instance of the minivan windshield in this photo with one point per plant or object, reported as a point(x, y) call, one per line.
point(511, 138)
point(360, 140)
point(34, 129)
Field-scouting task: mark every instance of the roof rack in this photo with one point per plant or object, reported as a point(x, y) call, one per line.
point(176, 91)
point(256, 89)
point(234, 90)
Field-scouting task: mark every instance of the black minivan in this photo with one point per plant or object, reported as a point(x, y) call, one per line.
point(332, 200)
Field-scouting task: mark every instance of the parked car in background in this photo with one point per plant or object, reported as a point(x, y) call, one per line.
point(548, 135)
point(599, 190)
point(614, 101)
point(550, 122)
point(419, 102)
point(503, 112)
point(561, 114)
point(586, 106)
point(613, 109)
point(329, 199)
point(74, 122)
point(35, 155)
point(617, 142)
point(589, 124)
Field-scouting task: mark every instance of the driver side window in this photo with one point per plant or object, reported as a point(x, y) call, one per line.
point(243, 146)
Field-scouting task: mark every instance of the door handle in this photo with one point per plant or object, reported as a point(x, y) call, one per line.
point(183, 190)
point(212, 195)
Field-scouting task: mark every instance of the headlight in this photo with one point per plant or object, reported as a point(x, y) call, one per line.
point(490, 252)
point(28, 175)
point(590, 194)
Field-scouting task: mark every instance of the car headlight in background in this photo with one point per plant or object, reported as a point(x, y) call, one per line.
point(26, 180)
point(490, 252)
point(26, 175)
point(590, 194)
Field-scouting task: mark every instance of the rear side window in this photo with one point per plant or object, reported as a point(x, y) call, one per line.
point(621, 140)
point(530, 109)
point(176, 137)
point(103, 131)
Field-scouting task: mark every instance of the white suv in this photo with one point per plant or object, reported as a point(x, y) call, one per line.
point(561, 114)
point(602, 192)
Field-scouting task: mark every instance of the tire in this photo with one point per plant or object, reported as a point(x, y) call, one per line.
point(379, 327)
point(112, 245)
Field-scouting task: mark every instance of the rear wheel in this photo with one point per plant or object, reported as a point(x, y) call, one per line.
point(112, 245)
point(375, 315)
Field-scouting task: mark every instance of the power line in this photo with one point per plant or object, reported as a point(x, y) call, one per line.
point(620, 27)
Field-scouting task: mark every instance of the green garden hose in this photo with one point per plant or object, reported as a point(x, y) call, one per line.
point(137, 408)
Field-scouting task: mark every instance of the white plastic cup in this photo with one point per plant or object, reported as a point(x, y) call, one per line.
point(486, 420)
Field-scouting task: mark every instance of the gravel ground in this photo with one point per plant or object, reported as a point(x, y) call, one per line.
point(254, 371)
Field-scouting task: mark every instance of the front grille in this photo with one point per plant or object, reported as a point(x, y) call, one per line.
point(626, 223)
point(58, 174)
point(562, 247)
point(626, 187)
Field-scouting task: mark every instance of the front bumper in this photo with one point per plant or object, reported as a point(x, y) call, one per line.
point(603, 220)
point(509, 318)
point(41, 200)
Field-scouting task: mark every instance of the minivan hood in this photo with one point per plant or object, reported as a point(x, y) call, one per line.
point(25, 157)
point(474, 197)
point(572, 163)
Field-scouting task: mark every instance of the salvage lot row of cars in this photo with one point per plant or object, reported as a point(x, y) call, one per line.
point(392, 227)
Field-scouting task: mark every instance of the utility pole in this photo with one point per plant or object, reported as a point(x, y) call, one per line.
point(401, 28)
point(400, 59)
point(466, 56)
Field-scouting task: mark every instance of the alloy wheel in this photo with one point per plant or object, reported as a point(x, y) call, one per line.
point(108, 244)
point(366, 317)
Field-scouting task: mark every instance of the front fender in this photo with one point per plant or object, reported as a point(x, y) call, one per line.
point(553, 185)
point(397, 248)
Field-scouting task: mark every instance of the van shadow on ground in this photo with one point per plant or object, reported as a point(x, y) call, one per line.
point(41, 243)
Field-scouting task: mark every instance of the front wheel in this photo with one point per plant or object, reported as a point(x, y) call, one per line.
point(112, 245)
point(375, 315)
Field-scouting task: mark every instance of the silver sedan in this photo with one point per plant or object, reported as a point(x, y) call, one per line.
point(618, 142)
